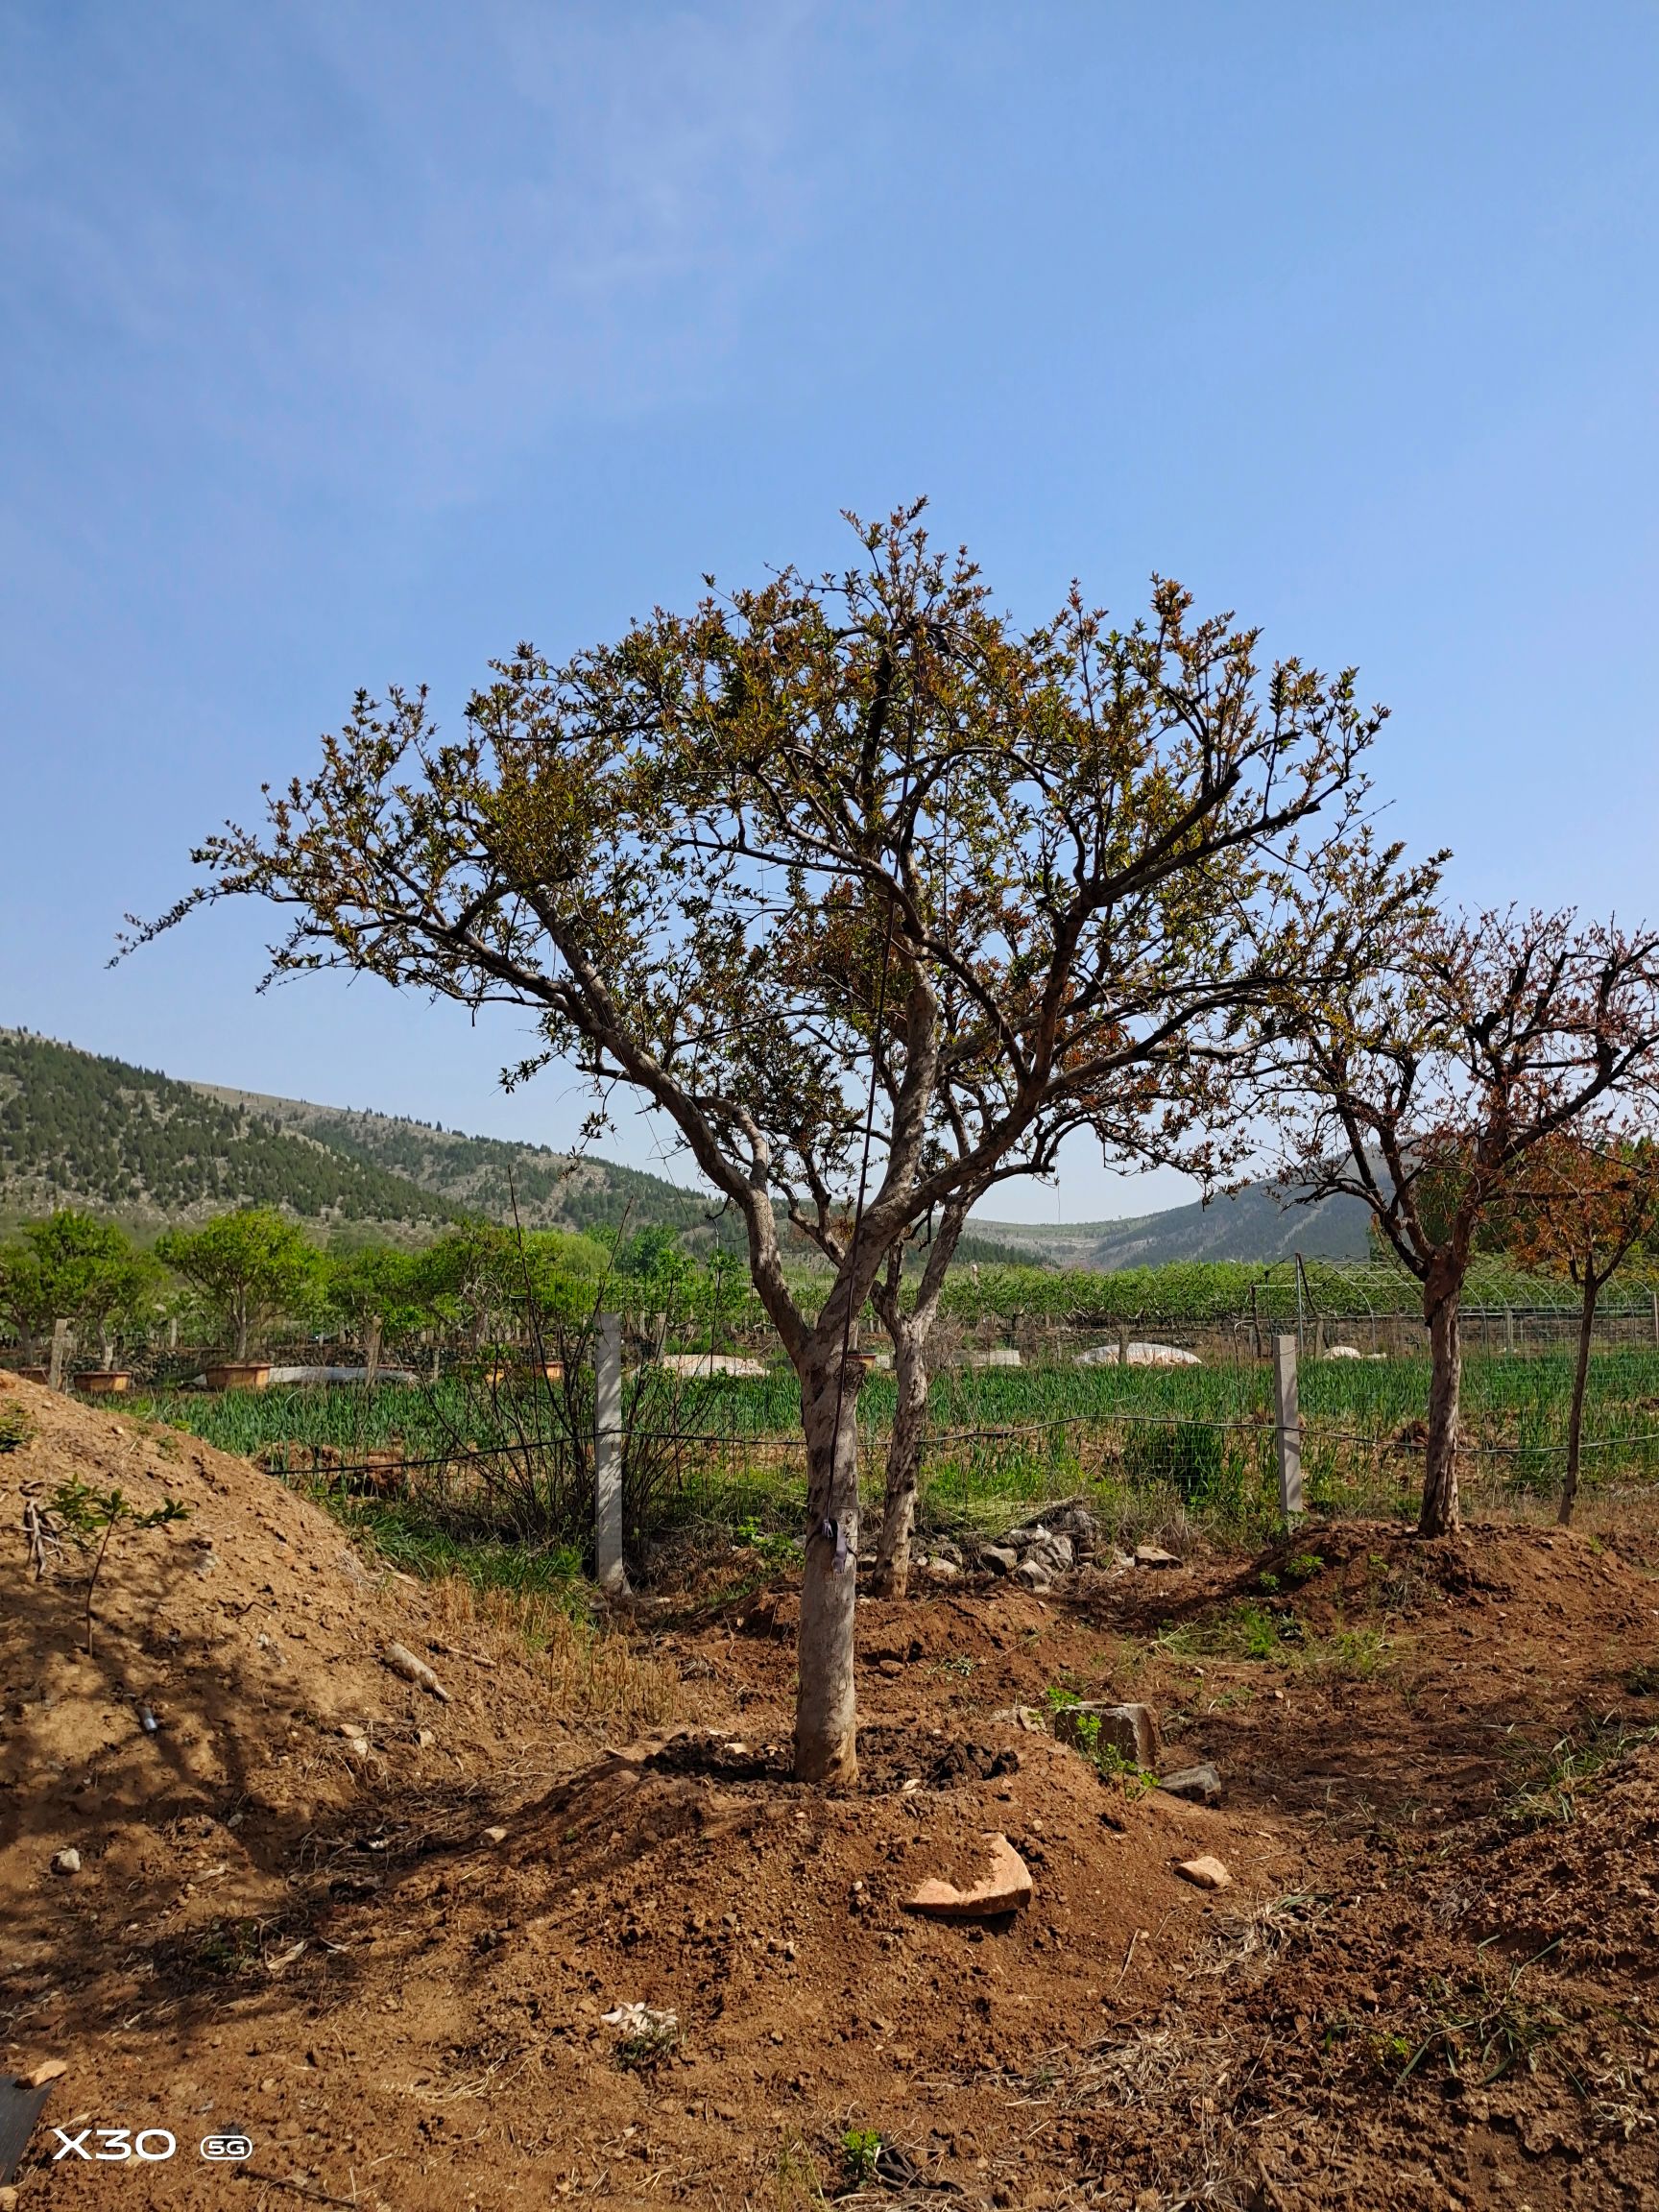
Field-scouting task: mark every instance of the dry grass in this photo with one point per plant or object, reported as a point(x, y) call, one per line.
point(592, 1674)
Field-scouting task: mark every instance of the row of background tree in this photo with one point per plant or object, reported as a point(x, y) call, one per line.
point(252, 1275)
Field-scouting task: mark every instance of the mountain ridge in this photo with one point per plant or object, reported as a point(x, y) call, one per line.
point(82, 1128)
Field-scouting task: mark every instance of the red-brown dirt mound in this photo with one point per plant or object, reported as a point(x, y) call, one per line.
point(391, 1967)
point(236, 1698)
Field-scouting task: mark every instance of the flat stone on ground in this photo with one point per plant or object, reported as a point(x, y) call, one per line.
point(1207, 1874)
point(1004, 1890)
point(1198, 1785)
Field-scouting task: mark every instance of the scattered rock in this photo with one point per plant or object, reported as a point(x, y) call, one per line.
point(356, 1740)
point(67, 1860)
point(941, 1570)
point(998, 1558)
point(1207, 1874)
point(1054, 1553)
point(1150, 1555)
point(642, 2029)
point(425, 1739)
point(495, 1835)
point(1032, 1575)
point(48, 2070)
point(1004, 1890)
point(1129, 1729)
point(1198, 1785)
point(402, 1661)
point(1025, 1717)
point(951, 1554)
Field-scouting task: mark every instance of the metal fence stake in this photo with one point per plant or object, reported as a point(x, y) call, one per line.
point(1287, 1427)
point(607, 1562)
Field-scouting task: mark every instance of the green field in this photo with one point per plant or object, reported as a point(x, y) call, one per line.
point(728, 1450)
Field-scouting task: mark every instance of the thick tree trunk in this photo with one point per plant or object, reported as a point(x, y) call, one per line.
point(825, 1709)
point(892, 1577)
point(1439, 1515)
point(1576, 1414)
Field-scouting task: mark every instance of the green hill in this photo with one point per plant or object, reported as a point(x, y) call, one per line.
point(1258, 1223)
point(490, 1175)
point(77, 1129)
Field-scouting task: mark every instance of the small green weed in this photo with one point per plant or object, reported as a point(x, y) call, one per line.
point(1474, 2025)
point(860, 2147)
point(84, 1512)
point(230, 1948)
point(15, 1428)
point(750, 1536)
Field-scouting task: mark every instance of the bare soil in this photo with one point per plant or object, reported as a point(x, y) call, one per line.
point(1429, 1983)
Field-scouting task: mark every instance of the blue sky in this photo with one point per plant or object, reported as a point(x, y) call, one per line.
point(348, 343)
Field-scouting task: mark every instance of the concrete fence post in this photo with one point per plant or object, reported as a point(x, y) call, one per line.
point(1287, 1422)
point(372, 1351)
point(608, 1563)
point(55, 1373)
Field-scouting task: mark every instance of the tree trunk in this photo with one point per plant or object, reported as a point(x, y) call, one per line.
point(1576, 1414)
point(892, 1577)
point(826, 1710)
point(911, 1334)
point(1439, 1515)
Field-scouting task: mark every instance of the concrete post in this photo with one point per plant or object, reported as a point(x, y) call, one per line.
point(1122, 1347)
point(372, 1351)
point(1509, 1330)
point(60, 1356)
point(1288, 1427)
point(608, 1563)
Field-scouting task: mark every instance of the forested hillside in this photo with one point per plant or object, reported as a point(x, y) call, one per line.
point(490, 1176)
point(76, 1128)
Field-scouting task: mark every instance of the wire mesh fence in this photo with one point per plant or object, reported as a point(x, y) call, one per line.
point(1177, 1412)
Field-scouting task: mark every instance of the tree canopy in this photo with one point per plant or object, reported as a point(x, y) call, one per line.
point(869, 891)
